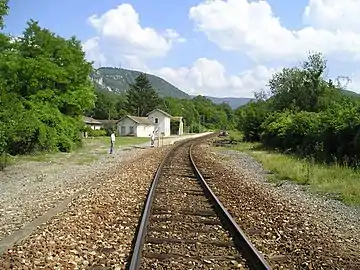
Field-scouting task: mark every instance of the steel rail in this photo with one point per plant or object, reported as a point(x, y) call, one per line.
point(251, 254)
point(142, 229)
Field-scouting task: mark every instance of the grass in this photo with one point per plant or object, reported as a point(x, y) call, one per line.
point(338, 182)
point(91, 151)
point(122, 141)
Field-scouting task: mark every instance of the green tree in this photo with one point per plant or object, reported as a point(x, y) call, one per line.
point(44, 90)
point(250, 119)
point(306, 115)
point(303, 88)
point(141, 97)
point(4, 9)
point(53, 69)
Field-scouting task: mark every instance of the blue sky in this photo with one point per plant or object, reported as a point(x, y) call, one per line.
point(219, 48)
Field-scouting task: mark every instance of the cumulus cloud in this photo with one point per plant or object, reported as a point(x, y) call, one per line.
point(251, 27)
point(333, 15)
point(93, 50)
point(209, 77)
point(241, 26)
point(120, 35)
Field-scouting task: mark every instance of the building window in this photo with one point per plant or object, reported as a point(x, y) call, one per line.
point(156, 120)
point(131, 130)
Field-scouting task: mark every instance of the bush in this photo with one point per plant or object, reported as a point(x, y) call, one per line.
point(296, 132)
point(327, 136)
point(250, 120)
point(38, 127)
point(97, 133)
point(305, 114)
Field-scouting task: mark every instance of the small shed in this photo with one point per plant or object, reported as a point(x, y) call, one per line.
point(94, 124)
point(135, 126)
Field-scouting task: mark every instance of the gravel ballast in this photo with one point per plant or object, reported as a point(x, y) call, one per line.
point(179, 234)
point(293, 228)
point(97, 228)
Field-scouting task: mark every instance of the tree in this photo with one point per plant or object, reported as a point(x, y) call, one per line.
point(44, 91)
point(4, 9)
point(108, 106)
point(53, 69)
point(262, 95)
point(141, 97)
point(250, 119)
point(304, 88)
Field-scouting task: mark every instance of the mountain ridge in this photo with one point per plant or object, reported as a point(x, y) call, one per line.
point(117, 80)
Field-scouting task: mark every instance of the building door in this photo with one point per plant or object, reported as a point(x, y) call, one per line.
point(122, 130)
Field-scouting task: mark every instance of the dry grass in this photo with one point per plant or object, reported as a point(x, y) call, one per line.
point(91, 151)
point(339, 182)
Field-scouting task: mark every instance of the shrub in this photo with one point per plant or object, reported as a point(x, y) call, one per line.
point(250, 119)
point(97, 133)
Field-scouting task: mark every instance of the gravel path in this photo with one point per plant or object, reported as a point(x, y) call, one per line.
point(292, 227)
point(29, 189)
point(98, 227)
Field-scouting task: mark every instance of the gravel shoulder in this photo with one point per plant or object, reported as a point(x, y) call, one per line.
point(294, 228)
point(35, 184)
point(29, 188)
point(98, 227)
point(341, 219)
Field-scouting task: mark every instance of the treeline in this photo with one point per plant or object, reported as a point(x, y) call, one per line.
point(44, 90)
point(305, 114)
point(141, 98)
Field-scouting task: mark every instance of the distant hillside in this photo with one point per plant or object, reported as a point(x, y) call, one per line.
point(351, 93)
point(117, 80)
point(232, 101)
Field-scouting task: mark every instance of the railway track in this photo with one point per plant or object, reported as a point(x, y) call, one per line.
point(184, 225)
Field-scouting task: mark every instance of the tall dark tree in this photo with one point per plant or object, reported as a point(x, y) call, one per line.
point(141, 98)
point(108, 106)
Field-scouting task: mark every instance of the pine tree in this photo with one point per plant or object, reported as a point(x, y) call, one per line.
point(141, 97)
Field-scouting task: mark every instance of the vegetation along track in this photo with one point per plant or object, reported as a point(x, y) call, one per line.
point(185, 226)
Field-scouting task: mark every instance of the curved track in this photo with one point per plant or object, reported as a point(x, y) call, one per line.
point(185, 226)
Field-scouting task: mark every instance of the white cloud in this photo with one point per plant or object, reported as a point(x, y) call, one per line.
point(93, 50)
point(333, 14)
point(119, 29)
point(251, 27)
point(209, 77)
point(244, 26)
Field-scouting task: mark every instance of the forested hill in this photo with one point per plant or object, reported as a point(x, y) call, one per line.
point(117, 80)
point(232, 101)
